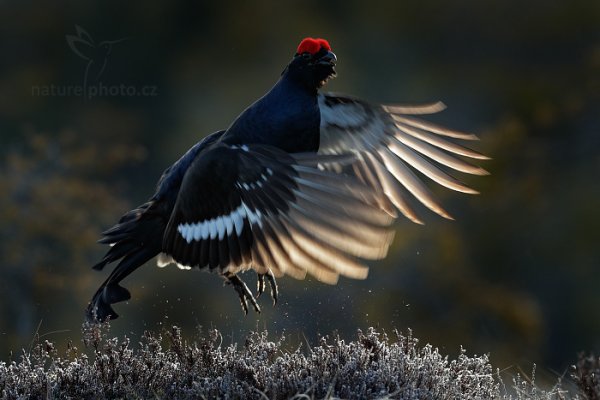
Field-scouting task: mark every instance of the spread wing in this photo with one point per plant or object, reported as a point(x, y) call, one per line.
point(259, 207)
point(391, 145)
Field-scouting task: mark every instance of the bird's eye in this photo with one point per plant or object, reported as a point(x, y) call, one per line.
point(306, 55)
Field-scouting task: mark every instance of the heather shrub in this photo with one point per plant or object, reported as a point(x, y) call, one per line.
point(373, 365)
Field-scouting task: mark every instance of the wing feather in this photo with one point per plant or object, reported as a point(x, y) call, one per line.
point(396, 150)
point(272, 211)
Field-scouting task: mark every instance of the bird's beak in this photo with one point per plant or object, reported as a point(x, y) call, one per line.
point(328, 58)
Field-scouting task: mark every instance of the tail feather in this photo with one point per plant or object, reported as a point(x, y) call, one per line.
point(126, 225)
point(115, 237)
point(110, 292)
point(135, 240)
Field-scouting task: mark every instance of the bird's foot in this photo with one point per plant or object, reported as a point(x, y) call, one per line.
point(272, 283)
point(243, 292)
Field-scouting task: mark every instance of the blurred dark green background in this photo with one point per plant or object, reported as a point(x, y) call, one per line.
point(516, 275)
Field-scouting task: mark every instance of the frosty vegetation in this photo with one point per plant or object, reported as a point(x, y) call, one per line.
point(167, 366)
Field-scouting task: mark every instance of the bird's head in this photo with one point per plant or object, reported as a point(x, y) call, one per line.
point(313, 64)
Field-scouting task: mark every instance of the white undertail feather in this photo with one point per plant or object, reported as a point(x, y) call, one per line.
point(164, 259)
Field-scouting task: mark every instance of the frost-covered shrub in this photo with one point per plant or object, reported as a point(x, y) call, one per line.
point(167, 366)
point(586, 374)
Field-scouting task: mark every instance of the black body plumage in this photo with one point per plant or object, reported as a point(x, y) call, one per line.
point(301, 182)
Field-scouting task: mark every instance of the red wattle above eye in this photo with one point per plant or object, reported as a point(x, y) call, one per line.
point(324, 43)
point(312, 46)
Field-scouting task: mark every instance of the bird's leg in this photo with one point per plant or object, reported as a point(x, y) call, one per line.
point(243, 292)
point(272, 283)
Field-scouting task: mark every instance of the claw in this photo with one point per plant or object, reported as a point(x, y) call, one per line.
point(243, 292)
point(260, 285)
point(274, 289)
point(272, 283)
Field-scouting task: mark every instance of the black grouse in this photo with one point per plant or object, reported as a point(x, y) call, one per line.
point(301, 182)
